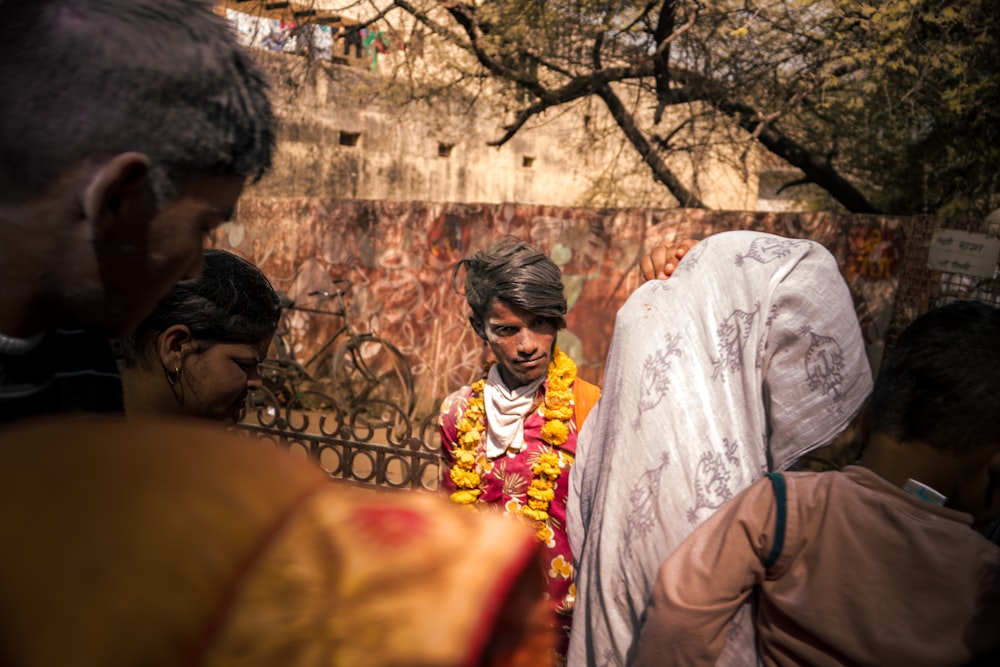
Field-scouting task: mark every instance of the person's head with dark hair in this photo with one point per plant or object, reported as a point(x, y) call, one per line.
point(127, 130)
point(941, 382)
point(161, 77)
point(934, 413)
point(197, 352)
point(518, 305)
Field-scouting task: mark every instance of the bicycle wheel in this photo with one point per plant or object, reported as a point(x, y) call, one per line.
point(368, 372)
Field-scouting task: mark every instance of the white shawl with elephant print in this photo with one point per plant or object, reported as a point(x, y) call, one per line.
point(747, 357)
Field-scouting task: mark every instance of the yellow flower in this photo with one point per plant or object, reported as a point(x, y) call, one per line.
point(478, 386)
point(562, 368)
point(563, 364)
point(469, 440)
point(535, 514)
point(557, 399)
point(465, 458)
point(561, 413)
point(540, 505)
point(546, 535)
point(548, 465)
point(560, 385)
point(548, 459)
point(512, 507)
point(560, 567)
point(555, 432)
point(465, 496)
point(541, 490)
point(464, 479)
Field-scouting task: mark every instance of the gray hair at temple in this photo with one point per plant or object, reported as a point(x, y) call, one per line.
point(513, 271)
point(83, 79)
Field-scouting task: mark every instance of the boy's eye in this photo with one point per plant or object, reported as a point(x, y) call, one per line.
point(247, 366)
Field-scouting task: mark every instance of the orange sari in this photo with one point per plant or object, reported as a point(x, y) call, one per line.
point(176, 543)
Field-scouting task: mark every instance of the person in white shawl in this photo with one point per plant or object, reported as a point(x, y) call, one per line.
point(747, 357)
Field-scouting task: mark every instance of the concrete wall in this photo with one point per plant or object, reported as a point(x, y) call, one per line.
point(569, 157)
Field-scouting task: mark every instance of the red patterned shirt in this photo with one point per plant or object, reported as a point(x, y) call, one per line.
point(504, 486)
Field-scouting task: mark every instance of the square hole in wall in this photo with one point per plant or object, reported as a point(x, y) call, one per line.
point(444, 150)
point(527, 162)
point(349, 138)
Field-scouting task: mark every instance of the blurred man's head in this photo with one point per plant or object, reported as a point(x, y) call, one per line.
point(937, 399)
point(940, 384)
point(127, 130)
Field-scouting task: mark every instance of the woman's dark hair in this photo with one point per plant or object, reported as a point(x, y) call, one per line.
point(511, 270)
point(230, 302)
point(940, 384)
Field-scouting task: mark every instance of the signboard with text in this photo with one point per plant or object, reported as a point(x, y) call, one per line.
point(968, 253)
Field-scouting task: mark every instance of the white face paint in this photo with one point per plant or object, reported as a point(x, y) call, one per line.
point(521, 341)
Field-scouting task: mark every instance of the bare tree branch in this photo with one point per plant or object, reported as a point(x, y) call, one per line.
point(649, 155)
point(552, 84)
point(814, 168)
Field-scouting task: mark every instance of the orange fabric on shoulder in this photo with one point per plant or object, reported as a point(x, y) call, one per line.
point(585, 397)
point(168, 542)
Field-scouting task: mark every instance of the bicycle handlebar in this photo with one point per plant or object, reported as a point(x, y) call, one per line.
point(342, 287)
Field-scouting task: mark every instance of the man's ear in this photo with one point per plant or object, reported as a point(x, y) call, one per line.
point(173, 344)
point(117, 189)
point(477, 326)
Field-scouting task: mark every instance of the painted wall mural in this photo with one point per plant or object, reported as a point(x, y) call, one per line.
point(400, 258)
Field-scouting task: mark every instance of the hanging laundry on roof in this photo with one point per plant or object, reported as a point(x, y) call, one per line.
point(353, 37)
point(375, 42)
point(322, 42)
point(248, 28)
point(279, 36)
point(314, 41)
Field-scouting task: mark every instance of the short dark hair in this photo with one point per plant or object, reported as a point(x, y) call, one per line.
point(940, 384)
point(85, 78)
point(230, 302)
point(511, 270)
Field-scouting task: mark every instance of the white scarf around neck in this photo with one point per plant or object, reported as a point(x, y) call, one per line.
point(506, 410)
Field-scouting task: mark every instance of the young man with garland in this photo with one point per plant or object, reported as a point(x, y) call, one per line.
point(509, 439)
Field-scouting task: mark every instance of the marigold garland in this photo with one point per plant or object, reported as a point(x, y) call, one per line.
point(557, 409)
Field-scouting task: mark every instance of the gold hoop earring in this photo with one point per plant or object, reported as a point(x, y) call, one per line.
point(175, 377)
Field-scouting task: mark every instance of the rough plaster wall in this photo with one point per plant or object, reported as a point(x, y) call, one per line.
point(397, 158)
point(400, 257)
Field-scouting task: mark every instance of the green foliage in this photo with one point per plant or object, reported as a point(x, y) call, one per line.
point(931, 112)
